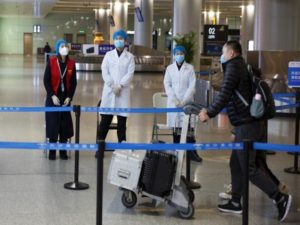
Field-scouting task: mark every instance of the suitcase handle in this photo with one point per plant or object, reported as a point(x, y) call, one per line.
point(123, 174)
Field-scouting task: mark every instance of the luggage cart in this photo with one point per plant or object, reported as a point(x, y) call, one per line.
point(155, 174)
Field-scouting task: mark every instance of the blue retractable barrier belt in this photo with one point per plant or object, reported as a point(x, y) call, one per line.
point(276, 147)
point(42, 146)
point(89, 109)
point(131, 110)
point(284, 95)
point(163, 147)
point(119, 146)
point(146, 146)
point(35, 109)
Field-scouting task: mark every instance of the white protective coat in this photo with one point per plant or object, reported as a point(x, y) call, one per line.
point(179, 85)
point(117, 71)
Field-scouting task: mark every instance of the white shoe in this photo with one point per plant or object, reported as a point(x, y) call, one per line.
point(227, 195)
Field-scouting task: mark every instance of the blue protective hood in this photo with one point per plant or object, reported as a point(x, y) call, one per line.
point(58, 44)
point(121, 33)
point(179, 48)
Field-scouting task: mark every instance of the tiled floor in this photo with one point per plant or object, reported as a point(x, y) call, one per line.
point(31, 188)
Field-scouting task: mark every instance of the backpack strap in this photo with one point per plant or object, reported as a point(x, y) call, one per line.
point(241, 98)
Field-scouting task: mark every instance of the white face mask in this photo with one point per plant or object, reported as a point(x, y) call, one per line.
point(64, 51)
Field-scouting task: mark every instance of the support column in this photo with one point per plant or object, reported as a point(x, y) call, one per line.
point(186, 18)
point(120, 15)
point(102, 23)
point(247, 27)
point(276, 25)
point(143, 30)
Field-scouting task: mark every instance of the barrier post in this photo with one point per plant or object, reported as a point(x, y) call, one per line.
point(295, 168)
point(248, 146)
point(76, 185)
point(99, 206)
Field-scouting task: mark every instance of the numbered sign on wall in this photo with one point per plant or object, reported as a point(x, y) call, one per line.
point(215, 37)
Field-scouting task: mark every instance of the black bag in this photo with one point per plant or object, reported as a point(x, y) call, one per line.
point(158, 173)
point(262, 105)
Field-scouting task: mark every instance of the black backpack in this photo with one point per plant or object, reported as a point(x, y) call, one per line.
point(263, 108)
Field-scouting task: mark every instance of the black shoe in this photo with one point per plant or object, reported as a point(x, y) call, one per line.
point(283, 206)
point(231, 207)
point(194, 156)
point(52, 155)
point(63, 155)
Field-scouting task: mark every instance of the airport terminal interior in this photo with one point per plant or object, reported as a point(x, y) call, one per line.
point(32, 186)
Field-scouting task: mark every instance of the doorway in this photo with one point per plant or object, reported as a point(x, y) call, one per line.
point(81, 39)
point(68, 38)
point(27, 43)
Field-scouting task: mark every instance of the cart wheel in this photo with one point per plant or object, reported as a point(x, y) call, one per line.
point(191, 195)
point(129, 199)
point(187, 214)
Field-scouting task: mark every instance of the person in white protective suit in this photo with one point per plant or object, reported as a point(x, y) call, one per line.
point(180, 83)
point(117, 72)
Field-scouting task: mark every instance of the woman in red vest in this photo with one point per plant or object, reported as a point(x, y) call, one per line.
point(60, 84)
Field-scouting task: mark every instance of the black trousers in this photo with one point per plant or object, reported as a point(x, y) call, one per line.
point(261, 162)
point(61, 140)
point(105, 123)
point(255, 131)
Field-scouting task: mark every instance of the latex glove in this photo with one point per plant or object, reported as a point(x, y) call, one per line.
point(55, 100)
point(67, 101)
point(177, 103)
point(203, 115)
point(117, 90)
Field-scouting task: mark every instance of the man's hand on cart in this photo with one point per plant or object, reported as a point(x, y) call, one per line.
point(203, 115)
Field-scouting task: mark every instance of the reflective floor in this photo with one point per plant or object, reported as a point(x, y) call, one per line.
point(31, 189)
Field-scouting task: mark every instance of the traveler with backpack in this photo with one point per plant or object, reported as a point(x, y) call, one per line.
point(238, 82)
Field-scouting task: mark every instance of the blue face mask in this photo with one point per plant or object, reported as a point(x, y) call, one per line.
point(222, 59)
point(179, 58)
point(119, 43)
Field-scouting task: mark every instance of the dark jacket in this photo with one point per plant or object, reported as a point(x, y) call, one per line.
point(59, 123)
point(235, 78)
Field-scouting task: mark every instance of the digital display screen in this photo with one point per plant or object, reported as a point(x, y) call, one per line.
point(138, 14)
point(213, 49)
point(215, 33)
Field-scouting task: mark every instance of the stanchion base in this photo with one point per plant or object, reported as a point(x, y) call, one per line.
point(194, 185)
point(292, 170)
point(76, 186)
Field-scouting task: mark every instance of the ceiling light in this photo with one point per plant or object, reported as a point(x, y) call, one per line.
point(211, 13)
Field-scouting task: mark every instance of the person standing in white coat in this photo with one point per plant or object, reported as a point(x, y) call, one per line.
point(117, 72)
point(180, 84)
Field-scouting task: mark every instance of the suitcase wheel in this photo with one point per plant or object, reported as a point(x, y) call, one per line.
point(187, 214)
point(129, 199)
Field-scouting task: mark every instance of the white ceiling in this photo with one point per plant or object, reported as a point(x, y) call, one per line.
point(26, 8)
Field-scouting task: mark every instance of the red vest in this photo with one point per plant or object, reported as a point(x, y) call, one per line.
point(55, 74)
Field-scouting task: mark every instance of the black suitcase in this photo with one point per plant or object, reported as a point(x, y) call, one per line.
point(158, 173)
